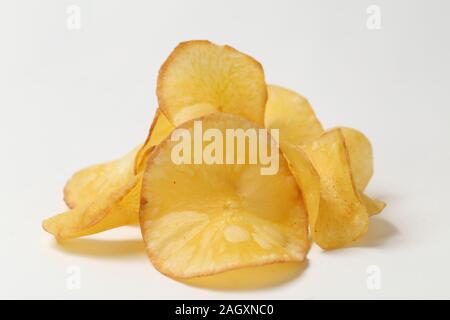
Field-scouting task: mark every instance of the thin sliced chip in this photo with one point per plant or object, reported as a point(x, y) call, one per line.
point(200, 73)
point(306, 176)
point(361, 162)
point(159, 130)
point(106, 196)
point(103, 213)
point(361, 157)
point(292, 115)
point(99, 180)
point(105, 178)
point(202, 219)
point(194, 111)
point(342, 217)
point(373, 206)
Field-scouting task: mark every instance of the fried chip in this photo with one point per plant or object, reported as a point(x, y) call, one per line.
point(199, 77)
point(292, 115)
point(203, 219)
point(105, 212)
point(342, 217)
point(107, 196)
point(99, 180)
point(361, 162)
point(306, 176)
point(373, 206)
point(105, 178)
point(361, 157)
point(159, 130)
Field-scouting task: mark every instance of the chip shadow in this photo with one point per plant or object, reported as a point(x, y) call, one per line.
point(253, 278)
point(379, 234)
point(102, 248)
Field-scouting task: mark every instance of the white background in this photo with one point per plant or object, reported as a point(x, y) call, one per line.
point(73, 98)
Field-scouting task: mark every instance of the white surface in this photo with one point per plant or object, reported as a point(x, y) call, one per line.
point(73, 98)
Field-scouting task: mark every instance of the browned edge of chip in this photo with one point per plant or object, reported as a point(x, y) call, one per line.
point(173, 55)
point(155, 261)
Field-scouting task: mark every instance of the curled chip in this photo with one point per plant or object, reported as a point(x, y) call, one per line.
point(159, 130)
point(306, 176)
point(105, 212)
point(373, 206)
point(292, 115)
point(342, 217)
point(202, 219)
point(106, 196)
point(105, 178)
point(99, 180)
point(200, 77)
point(361, 157)
point(361, 163)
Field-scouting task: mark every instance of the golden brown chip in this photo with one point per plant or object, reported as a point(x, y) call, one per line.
point(159, 130)
point(361, 157)
point(105, 212)
point(361, 163)
point(373, 206)
point(292, 115)
point(306, 176)
point(200, 77)
point(342, 216)
point(106, 196)
point(99, 180)
point(202, 219)
point(105, 178)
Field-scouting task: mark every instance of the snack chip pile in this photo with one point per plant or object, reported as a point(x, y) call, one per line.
point(203, 218)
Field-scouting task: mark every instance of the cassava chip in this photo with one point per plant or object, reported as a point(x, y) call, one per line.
point(105, 212)
point(106, 196)
point(99, 180)
point(361, 163)
point(306, 176)
point(202, 219)
point(105, 178)
point(199, 77)
point(361, 157)
point(159, 130)
point(342, 216)
point(373, 206)
point(292, 115)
